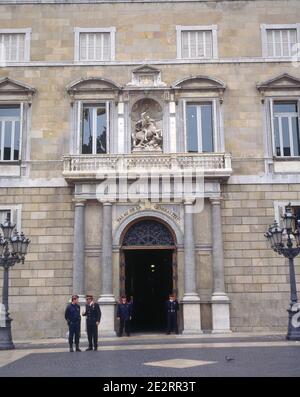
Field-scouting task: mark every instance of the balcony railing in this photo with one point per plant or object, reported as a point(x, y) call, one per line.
point(77, 167)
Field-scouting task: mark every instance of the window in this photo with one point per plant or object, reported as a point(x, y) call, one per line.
point(94, 137)
point(94, 44)
point(14, 45)
point(279, 40)
point(10, 132)
point(196, 42)
point(199, 127)
point(286, 128)
point(5, 214)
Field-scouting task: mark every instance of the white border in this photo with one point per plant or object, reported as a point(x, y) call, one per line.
point(111, 30)
point(212, 28)
point(27, 32)
point(264, 42)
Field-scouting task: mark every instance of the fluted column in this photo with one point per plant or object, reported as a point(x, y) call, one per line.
point(220, 301)
point(79, 258)
point(78, 249)
point(107, 299)
point(191, 300)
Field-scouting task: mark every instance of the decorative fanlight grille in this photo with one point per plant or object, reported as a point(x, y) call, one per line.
point(148, 232)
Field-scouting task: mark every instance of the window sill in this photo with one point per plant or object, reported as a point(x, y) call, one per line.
point(10, 168)
point(291, 165)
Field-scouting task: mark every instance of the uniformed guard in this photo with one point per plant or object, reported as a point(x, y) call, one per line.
point(72, 315)
point(172, 308)
point(93, 317)
point(124, 314)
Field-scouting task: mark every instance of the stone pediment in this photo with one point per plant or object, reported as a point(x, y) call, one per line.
point(281, 82)
point(146, 76)
point(199, 83)
point(13, 87)
point(92, 84)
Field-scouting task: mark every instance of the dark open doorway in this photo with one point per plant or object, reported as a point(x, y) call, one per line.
point(149, 280)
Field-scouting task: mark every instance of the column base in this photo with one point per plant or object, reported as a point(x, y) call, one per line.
point(220, 313)
point(191, 314)
point(107, 324)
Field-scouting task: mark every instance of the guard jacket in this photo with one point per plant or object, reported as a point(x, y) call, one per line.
point(72, 313)
point(172, 307)
point(92, 313)
point(124, 311)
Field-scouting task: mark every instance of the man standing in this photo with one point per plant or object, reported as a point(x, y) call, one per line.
point(72, 315)
point(172, 307)
point(124, 313)
point(93, 316)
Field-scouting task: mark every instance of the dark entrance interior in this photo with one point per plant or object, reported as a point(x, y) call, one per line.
point(149, 281)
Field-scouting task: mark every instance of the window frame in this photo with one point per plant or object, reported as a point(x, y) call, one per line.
point(27, 32)
point(272, 100)
point(80, 105)
point(264, 39)
point(16, 211)
point(212, 28)
point(111, 30)
point(15, 103)
point(200, 101)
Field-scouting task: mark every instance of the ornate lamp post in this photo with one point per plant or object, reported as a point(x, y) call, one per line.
point(286, 242)
point(13, 248)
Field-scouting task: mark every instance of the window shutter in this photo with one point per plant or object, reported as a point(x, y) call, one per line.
point(185, 44)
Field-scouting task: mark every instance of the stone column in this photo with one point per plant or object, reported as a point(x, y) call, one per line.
point(220, 301)
point(191, 300)
point(79, 258)
point(107, 300)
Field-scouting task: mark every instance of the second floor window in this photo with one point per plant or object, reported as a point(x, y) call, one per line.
point(94, 44)
point(197, 42)
point(280, 42)
point(94, 136)
point(14, 45)
point(10, 131)
point(286, 128)
point(199, 127)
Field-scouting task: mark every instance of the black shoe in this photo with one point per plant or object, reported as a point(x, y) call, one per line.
point(77, 349)
point(95, 348)
point(120, 335)
point(128, 334)
point(71, 350)
point(88, 349)
point(168, 333)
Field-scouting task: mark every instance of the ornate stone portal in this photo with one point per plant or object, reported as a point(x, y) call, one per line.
point(146, 126)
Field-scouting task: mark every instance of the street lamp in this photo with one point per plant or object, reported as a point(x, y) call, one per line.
point(286, 241)
point(13, 248)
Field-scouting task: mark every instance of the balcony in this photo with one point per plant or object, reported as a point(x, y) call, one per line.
point(93, 167)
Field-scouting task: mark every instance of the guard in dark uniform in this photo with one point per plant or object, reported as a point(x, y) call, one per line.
point(124, 313)
point(72, 315)
point(172, 308)
point(93, 317)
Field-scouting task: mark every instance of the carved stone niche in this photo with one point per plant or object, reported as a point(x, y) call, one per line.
point(146, 126)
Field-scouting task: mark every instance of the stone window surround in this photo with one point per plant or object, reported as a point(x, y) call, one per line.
point(212, 28)
point(270, 124)
point(78, 106)
point(15, 210)
point(111, 30)
point(264, 42)
point(218, 133)
point(27, 32)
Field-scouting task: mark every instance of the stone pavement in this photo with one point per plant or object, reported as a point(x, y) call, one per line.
point(158, 356)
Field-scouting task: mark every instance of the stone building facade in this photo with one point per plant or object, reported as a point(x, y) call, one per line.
point(93, 93)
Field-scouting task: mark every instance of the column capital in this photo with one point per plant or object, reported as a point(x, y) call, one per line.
point(79, 202)
point(189, 201)
point(106, 202)
point(216, 200)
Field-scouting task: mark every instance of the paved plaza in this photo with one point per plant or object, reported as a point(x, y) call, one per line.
point(157, 356)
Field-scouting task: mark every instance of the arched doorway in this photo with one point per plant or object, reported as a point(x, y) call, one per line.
point(148, 271)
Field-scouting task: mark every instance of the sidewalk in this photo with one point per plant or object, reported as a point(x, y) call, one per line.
point(231, 337)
